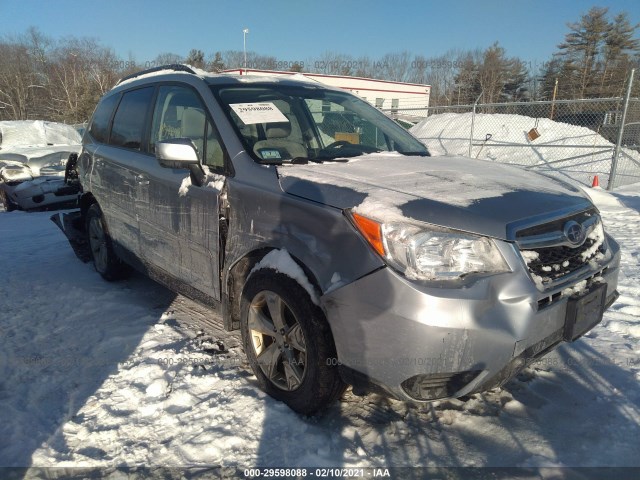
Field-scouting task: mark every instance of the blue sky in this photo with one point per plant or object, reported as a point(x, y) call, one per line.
point(298, 30)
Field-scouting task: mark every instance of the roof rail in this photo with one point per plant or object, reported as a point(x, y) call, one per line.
point(176, 67)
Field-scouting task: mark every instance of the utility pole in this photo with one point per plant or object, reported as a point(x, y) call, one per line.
point(244, 42)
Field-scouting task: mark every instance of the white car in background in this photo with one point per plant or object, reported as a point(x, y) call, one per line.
point(33, 155)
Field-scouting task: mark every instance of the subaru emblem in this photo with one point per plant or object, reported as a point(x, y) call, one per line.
point(574, 232)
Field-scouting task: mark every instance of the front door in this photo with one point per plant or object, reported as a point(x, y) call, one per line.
point(179, 221)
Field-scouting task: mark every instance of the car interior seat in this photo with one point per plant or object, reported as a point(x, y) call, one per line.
point(277, 141)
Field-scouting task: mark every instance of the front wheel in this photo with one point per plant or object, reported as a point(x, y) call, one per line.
point(288, 343)
point(105, 261)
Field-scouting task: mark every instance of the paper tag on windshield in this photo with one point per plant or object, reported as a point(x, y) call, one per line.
point(251, 113)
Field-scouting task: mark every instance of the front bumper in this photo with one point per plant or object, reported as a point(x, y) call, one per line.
point(419, 343)
point(42, 193)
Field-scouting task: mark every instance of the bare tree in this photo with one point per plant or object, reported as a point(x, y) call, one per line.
point(167, 58)
point(18, 82)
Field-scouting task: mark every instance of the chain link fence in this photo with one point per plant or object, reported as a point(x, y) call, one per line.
point(571, 139)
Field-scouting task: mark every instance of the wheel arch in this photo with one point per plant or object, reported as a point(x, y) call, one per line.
point(85, 202)
point(237, 276)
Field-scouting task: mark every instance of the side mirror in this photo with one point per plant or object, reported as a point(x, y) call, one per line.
point(176, 153)
point(181, 153)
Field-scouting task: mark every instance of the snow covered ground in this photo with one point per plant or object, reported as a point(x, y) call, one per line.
point(570, 152)
point(110, 374)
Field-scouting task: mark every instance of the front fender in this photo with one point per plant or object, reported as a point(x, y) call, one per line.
point(318, 236)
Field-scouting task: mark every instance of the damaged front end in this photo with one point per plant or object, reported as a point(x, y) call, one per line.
point(22, 190)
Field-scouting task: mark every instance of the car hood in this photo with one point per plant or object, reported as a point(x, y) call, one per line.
point(475, 196)
point(37, 157)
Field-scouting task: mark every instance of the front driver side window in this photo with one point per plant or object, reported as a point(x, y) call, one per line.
point(179, 113)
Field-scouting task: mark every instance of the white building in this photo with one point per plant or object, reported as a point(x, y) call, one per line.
point(391, 97)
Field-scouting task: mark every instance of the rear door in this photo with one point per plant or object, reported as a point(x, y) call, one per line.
point(117, 170)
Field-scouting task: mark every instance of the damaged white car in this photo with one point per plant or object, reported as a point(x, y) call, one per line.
point(33, 155)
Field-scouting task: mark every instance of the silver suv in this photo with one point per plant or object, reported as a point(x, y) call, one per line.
point(326, 233)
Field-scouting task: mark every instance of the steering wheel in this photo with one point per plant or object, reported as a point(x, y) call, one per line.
point(338, 144)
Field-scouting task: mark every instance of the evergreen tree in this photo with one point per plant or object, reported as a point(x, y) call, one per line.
point(217, 65)
point(581, 49)
point(619, 44)
point(491, 74)
point(195, 58)
point(596, 57)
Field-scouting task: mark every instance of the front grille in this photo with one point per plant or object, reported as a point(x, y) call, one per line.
point(551, 299)
point(556, 262)
point(550, 256)
point(556, 225)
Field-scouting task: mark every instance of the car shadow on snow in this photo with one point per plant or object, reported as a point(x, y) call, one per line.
point(629, 201)
point(572, 408)
point(64, 332)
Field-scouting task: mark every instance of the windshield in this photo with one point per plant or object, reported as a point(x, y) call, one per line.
point(279, 123)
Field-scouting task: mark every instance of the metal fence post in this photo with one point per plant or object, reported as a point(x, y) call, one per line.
point(616, 150)
point(473, 120)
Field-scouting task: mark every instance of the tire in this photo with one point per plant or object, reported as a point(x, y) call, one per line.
point(105, 261)
point(293, 361)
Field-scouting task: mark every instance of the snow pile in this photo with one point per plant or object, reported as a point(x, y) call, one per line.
point(184, 186)
point(601, 197)
point(32, 133)
point(211, 180)
point(597, 236)
point(448, 134)
point(281, 261)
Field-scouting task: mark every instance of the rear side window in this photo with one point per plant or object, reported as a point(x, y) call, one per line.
point(99, 128)
point(130, 119)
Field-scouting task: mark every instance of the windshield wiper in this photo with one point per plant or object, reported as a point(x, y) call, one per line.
point(284, 161)
point(416, 154)
point(341, 158)
point(304, 160)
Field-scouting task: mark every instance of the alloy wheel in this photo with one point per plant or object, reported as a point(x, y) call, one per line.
point(278, 341)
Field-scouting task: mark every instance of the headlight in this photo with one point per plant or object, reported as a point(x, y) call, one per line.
point(431, 253)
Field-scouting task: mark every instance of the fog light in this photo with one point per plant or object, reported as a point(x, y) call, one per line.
point(437, 385)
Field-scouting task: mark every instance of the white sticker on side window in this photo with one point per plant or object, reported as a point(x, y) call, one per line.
point(251, 113)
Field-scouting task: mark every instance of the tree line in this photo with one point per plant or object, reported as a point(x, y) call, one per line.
point(62, 79)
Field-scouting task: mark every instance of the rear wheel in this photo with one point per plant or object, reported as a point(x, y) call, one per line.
point(105, 261)
point(288, 343)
